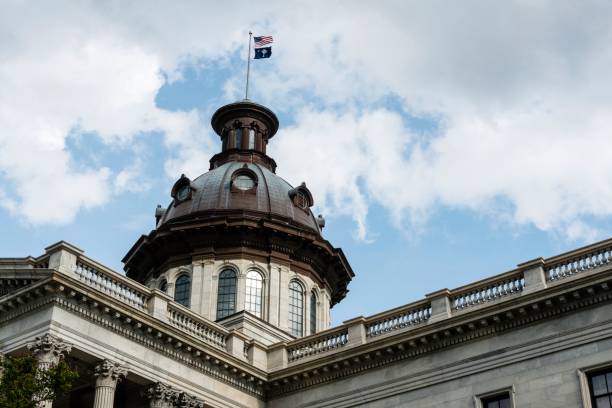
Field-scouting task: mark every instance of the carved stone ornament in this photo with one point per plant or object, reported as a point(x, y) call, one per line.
point(183, 400)
point(160, 395)
point(48, 349)
point(109, 373)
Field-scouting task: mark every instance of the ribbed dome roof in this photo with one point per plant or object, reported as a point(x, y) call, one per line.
point(212, 192)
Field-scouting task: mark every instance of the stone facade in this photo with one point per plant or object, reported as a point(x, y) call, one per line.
point(535, 333)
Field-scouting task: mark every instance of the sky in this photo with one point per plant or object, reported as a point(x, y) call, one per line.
point(444, 142)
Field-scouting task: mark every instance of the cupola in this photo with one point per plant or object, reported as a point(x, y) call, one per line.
point(245, 128)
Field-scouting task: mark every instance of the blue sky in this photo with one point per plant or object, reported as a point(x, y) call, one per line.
point(449, 146)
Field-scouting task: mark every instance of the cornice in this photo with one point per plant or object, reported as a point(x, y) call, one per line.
point(136, 326)
point(498, 315)
point(477, 323)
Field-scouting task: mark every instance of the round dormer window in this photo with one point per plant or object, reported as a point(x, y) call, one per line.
point(183, 193)
point(244, 182)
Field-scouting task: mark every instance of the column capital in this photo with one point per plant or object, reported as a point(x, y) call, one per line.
point(160, 395)
point(48, 348)
point(109, 373)
point(184, 400)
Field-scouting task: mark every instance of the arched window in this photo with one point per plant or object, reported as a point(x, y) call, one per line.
point(313, 312)
point(182, 290)
point(296, 308)
point(238, 138)
point(226, 297)
point(251, 139)
point(254, 286)
point(163, 285)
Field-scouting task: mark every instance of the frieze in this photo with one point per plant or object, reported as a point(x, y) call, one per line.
point(404, 349)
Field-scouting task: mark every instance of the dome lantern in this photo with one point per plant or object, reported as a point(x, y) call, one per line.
point(245, 128)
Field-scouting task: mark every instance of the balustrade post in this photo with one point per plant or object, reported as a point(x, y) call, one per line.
point(535, 277)
point(108, 375)
point(157, 305)
point(440, 305)
point(277, 356)
point(48, 350)
point(257, 355)
point(235, 344)
point(356, 331)
point(63, 257)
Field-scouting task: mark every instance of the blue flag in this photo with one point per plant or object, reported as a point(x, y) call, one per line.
point(264, 52)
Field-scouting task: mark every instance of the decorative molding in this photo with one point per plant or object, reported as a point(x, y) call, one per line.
point(399, 349)
point(109, 373)
point(48, 349)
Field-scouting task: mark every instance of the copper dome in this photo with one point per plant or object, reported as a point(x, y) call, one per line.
point(213, 193)
point(241, 209)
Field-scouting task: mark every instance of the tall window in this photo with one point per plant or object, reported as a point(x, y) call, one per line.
point(226, 297)
point(254, 285)
point(296, 308)
point(238, 138)
point(182, 290)
point(497, 401)
point(251, 139)
point(313, 312)
point(601, 389)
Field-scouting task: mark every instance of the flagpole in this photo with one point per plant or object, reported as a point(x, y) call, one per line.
point(246, 92)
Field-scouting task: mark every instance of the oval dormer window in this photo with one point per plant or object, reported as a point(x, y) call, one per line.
point(183, 193)
point(301, 200)
point(244, 182)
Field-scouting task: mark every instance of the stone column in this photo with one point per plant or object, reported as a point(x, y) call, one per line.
point(160, 395)
point(108, 374)
point(48, 350)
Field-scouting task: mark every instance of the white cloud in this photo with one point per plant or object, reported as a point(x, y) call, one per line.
point(523, 89)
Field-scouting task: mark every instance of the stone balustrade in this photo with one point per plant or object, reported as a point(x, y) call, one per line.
point(488, 290)
point(197, 326)
point(580, 260)
point(532, 276)
point(317, 344)
point(111, 283)
point(399, 318)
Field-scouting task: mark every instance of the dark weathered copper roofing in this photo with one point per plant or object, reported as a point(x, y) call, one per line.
point(212, 191)
point(245, 108)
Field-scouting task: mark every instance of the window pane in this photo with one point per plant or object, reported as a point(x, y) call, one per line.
point(238, 138)
point(609, 381)
point(599, 385)
point(313, 313)
point(296, 308)
point(602, 402)
point(226, 298)
point(254, 285)
point(182, 290)
point(251, 139)
point(497, 401)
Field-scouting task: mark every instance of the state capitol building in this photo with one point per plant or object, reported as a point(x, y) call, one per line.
point(226, 303)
